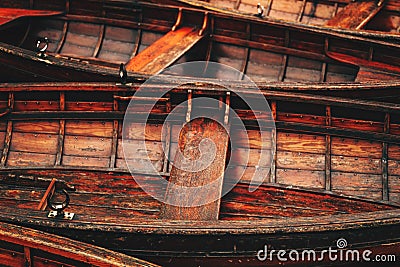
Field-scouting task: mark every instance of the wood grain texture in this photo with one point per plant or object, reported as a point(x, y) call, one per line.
point(9, 14)
point(203, 203)
point(356, 14)
point(164, 51)
point(60, 250)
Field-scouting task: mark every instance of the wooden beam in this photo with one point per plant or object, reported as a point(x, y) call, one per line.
point(164, 51)
point(356, 14)
point(49, 192)
point(190, 139)
point(366, 64)
point(10, 14)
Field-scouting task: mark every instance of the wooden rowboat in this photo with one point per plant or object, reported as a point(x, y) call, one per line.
point(378, 19)
point(20, 246)
point(333, 171)
point(88, 40)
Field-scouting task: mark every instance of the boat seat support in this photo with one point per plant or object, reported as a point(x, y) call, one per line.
point(164, 51)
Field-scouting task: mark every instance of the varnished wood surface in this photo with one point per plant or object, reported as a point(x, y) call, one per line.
point(7, 15)
point(91, 46)
point(61, 131)
point(202, 204)
point(164, 51)
point(380, 17)
point(356, 15)
point(44, 249)
point(61, 126)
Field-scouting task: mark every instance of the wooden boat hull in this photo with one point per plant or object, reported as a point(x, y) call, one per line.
point(368, 18)
point(91, 48)
point(21, 246)
point(334, 174)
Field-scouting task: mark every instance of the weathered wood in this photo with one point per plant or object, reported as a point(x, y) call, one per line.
point(61, 249)
point(208, 178)
point(364, 63)
point(49, 192)
point(164, 51)
point(356, 14)
point(9, 14)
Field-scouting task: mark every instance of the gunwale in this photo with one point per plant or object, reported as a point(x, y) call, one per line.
point(388, 8)
point(34, 241)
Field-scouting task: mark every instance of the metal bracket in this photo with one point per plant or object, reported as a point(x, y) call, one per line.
point(41, 46)
point(57, 208)
point(63, 215)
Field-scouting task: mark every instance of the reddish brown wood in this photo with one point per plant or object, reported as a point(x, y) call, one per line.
point(9, 14)
point(356, 14)
point(60, 250)
point(192, 148)
point(164, 51)
point(49, 192)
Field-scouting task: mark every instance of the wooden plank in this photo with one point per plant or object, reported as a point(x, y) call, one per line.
point(394, 188)
point(303, 178)
point(360, 185)
point(49, 192)
point(191, 136)
point(32, 142)
point(164, 51)
point(9, 14)
point(356, 14)
point(26, 159)
point(356, 148)
point(87, 146)
point(299, 160)
point(365, 63)
point(300, 143)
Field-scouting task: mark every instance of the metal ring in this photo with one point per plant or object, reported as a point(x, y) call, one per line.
point(58, 206)
point(39, 41)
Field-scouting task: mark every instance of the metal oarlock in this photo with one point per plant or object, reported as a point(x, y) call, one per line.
point(57, 208)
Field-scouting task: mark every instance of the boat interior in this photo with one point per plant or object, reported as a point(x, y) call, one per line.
point(330, 157)
point(372, 15)
point(108, 34)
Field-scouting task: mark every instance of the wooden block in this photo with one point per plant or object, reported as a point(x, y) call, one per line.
point(192, 134)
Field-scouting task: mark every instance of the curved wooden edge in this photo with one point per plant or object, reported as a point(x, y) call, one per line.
point(365, 63)
point(66, 247)
point(263, 226)
point(356, 14)
point(9, 14)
